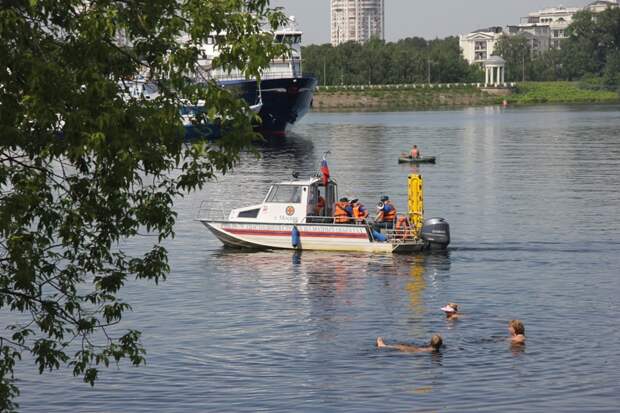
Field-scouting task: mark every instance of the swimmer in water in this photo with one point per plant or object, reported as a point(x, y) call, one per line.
point(452, 311)
point(435, 345)
point(517, 332)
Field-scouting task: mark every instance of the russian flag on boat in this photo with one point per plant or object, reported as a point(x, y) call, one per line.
point(325, 171)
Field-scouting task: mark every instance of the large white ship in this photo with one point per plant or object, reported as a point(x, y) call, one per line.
point(285, 93)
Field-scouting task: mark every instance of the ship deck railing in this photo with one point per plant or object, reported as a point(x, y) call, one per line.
point(267, 75)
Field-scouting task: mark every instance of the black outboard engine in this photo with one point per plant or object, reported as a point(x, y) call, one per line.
point(436, 232)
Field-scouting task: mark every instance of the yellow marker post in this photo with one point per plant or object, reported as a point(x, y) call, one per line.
point(416, 202)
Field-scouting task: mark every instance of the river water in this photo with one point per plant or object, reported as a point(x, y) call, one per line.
point(532, 195)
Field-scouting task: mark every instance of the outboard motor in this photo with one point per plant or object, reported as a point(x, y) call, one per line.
point(436, 231)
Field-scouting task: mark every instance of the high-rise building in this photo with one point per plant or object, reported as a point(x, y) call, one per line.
point(357, 20)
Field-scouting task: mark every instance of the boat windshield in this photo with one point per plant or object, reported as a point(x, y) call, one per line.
point(284, 194)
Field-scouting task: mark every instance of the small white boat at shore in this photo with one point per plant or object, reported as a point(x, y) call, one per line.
point(288, 219)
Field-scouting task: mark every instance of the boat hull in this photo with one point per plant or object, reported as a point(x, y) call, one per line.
point(320, 237)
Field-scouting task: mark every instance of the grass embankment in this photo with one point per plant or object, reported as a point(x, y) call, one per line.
point(420, 97)
point(559, 92)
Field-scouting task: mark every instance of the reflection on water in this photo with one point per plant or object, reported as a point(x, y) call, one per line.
point(534, 220)
point(416, 283)
point(420, 268)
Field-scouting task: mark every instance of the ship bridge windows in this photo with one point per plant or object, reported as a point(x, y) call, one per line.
point(290, 38)
point(284, 194)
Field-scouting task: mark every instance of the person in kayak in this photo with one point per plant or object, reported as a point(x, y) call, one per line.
point(415, 152)
point(434, 345)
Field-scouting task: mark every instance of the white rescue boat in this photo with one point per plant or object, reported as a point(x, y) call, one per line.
point(290, 218)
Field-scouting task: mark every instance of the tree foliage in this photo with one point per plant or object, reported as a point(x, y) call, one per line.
point(83, 168)
point(590, 51)
point(593, 42)
point(515, 50)
point(410, 60)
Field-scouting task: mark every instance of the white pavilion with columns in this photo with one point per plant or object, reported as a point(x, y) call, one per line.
point(495, 71)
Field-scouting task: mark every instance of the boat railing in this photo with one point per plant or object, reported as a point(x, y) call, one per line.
point(397, 236)
point(332, 220)
point(208, 212)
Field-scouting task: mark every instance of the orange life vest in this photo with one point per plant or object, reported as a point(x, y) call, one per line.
point(358, 213)
point(389, 216)
point(341, 214)
point(415, 153)
point(403, 224)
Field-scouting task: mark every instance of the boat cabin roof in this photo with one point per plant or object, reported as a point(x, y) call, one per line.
point(305, 182)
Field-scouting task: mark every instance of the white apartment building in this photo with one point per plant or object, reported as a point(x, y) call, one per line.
point(479, 45)
point(357, 20)
point(557, 18)
point(538, 36)
point(602, 5)
point(544, 29)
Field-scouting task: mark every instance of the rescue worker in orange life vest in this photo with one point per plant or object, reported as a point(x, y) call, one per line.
point(386, 213)
point(320, 205)
point(360, 213)
point(343, 211)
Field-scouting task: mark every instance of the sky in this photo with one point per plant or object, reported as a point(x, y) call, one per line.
point(423, 18)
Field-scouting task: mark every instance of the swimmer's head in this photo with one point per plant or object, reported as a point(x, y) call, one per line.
point(517, 326)
point(450, 308)
point(436, 342)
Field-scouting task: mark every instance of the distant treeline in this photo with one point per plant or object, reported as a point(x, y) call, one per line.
point(591, 53)
point(410, 60)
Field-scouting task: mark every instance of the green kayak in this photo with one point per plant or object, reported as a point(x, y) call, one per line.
point(421, 159)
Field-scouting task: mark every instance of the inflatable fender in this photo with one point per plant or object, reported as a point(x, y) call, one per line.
point(295, 238)
point(378, 236)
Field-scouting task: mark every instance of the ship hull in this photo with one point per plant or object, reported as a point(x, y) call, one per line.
point(285, 102)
